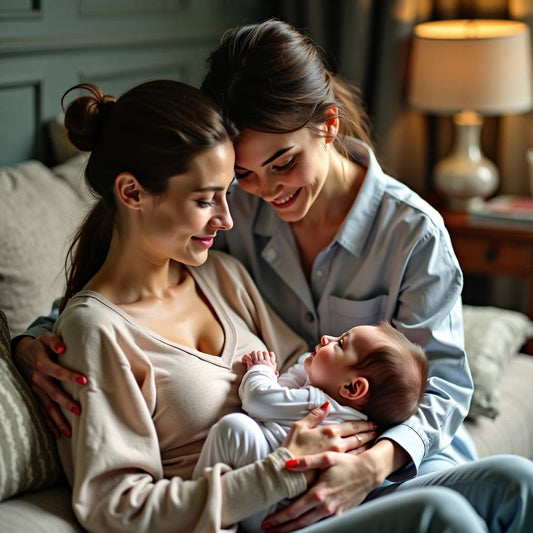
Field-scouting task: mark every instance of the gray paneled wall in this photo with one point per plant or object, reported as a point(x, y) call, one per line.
point(46, 46)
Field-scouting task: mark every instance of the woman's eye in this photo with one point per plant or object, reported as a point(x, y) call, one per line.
point(285, 166)
point(206, 203)
point(241, 175)
point(340, 343)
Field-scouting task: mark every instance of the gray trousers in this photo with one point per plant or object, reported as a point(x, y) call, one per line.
point(493, 494)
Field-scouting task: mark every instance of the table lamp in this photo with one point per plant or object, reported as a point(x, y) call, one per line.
point(470, 68)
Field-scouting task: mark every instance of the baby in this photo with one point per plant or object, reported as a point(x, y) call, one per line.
point(369, 372)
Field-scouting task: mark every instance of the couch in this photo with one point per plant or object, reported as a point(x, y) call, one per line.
point(40, 208)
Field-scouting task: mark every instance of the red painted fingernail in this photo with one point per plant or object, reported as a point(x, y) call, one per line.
point(59, 348)
point(76, 410)
point(81, 380)
point(324, 405)
point(266, 525)
point(291, 463)
point(67, 433)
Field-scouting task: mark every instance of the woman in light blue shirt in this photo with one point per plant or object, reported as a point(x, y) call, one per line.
point(333, 242)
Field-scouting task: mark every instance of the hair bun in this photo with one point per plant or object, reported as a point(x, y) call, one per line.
point(86, 115)
point(106, 102)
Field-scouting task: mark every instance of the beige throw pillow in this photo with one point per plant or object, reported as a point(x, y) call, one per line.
point(492, 337)
point(28, 457)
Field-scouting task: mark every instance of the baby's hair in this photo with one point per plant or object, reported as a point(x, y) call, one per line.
point(397, 377)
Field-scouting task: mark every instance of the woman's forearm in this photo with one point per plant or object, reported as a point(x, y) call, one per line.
point(385, 457)
point(253, 487)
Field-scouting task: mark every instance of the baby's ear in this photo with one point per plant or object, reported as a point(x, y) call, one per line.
point(355, 389)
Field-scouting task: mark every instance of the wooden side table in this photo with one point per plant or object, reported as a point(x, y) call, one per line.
point(492, 251)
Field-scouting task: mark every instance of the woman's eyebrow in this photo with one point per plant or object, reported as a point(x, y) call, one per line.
point(209, 188)
point(276, 155)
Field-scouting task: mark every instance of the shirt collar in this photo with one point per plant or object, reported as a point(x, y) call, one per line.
point(356, 227)
point(267, 220)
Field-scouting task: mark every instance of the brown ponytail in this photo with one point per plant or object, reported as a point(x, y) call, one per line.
point(88, 250)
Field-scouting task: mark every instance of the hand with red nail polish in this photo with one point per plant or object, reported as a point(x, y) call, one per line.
point(37, 361)
point(305, 438)
point(291, 463)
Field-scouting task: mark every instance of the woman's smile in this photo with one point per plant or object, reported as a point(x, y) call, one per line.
point(283, 203)
point(207, 241)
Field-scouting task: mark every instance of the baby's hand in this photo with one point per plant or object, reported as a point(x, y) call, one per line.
point(260, 358)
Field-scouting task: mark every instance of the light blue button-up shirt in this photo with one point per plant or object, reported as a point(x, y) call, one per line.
point(392, 259)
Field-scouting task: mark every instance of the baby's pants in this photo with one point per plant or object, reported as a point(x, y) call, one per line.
point(235, 440)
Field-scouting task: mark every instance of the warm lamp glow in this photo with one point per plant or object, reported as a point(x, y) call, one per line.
point(483, 65)
point(468, 68)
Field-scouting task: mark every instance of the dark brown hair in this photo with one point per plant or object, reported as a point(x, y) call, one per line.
point(152, 131)
point(397, 378)
point(269, 77)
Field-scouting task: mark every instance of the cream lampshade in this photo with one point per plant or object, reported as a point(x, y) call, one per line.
point(470, 68)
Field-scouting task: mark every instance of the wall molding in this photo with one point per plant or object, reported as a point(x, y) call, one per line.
point(67, 43)
point(143, 70)
point(123, 7)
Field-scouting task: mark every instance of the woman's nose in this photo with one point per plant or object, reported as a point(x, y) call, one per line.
point(265, 187)
point(222, 220)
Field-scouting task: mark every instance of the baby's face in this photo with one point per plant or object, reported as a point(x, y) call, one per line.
point(328, 366)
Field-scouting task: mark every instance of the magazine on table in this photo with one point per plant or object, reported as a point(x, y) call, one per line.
point(505, 210)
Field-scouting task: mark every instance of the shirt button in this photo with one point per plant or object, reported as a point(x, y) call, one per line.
point(309, 317)
point(271, 254)
point(319, 273)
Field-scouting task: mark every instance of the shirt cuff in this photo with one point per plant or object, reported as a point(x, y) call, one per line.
point(263, 369)
point(406, 437)
point(33, 332)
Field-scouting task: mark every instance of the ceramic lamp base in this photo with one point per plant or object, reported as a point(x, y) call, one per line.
point(466, 176)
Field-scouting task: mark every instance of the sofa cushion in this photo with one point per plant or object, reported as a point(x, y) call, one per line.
point(493, 336)
point(49, 509)
point(72, 171)
point(39, 212)
point(28, 457)
point(512, 431)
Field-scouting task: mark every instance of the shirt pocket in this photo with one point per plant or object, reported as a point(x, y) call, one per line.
point(345, 313)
